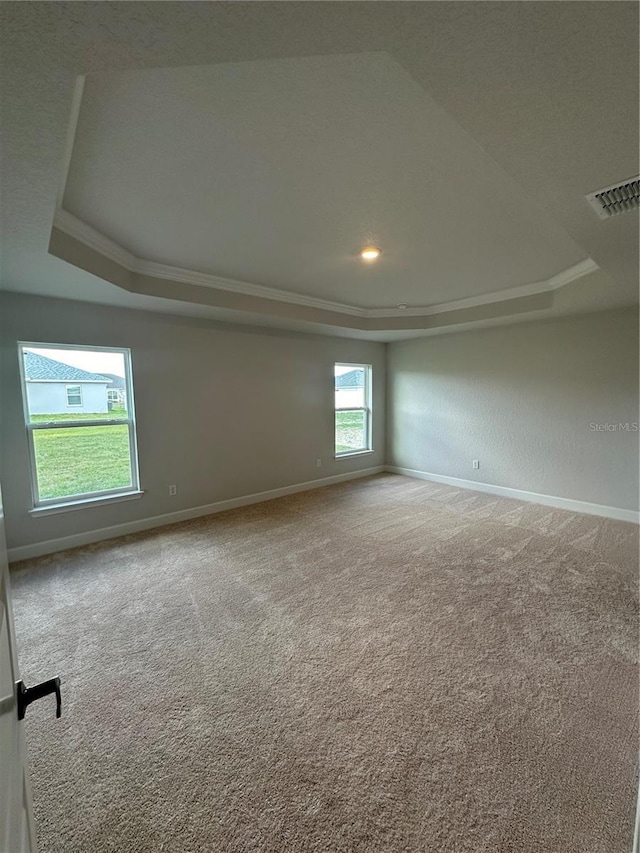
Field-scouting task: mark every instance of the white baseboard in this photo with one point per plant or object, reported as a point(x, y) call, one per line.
point(518, 494)
point(51, 546)
point(636, 828)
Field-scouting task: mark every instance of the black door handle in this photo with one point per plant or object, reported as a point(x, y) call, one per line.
point(27, 695)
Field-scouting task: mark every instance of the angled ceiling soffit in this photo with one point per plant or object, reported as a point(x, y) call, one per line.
point(82, 246)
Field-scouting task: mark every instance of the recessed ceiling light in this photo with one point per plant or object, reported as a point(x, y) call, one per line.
point(370, 253)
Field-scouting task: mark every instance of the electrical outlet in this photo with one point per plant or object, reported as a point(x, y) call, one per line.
point(318, 463)
point(476, 464)
point(173, 491)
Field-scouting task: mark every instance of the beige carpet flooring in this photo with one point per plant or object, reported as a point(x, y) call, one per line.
point(384, 665)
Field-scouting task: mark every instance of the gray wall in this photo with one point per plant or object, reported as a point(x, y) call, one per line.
point(228, 411)
point(521, 399)
point(222, 411)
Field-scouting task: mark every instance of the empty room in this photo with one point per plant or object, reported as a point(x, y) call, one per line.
point(319, 427)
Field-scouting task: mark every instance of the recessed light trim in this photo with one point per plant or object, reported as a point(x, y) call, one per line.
point(370, 253)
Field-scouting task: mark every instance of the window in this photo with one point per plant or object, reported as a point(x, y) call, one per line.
point(87, 453)
point(352, 408)
point(74, 395)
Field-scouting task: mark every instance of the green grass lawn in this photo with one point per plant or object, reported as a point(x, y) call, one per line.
point(113, 414)
point(78, 460)
point(349, 431)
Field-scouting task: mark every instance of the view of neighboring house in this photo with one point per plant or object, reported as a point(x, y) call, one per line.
point(349, 387)
point(116, 392)
point(55, 388)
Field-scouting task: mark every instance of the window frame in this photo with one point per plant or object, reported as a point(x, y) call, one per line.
point(367, 408)
point(105, 495)
point(79, 394)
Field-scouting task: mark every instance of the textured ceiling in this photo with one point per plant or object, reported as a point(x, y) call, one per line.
point(525, 87)
point(277, 172)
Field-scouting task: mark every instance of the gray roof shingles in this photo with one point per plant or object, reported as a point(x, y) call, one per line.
point(39, 367)
point(352, 379)
point(117, 382)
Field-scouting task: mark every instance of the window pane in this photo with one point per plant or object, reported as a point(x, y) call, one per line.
point(351, 431)
point(74, 384)
point(349, 387)
point(78, 460)
point(74, 395)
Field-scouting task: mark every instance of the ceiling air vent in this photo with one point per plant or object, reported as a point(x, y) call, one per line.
point(616, 199)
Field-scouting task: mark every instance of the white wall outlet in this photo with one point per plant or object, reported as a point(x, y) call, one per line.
point(318, 463)
point(173, 490)
point(476, 464)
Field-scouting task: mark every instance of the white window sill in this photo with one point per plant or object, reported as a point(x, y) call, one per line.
point(349, 454)
point(85, 503)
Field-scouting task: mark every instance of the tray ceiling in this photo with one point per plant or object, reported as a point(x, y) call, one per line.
point(278, 172)
point(231, 161)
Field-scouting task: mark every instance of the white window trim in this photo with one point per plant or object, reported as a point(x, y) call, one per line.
point(86, 498)
point(85, 503)
point(73, 405)
point(367, 409)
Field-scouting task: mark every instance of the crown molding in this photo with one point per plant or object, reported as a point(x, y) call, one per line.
point(76, 101)
point(554, 283)
point(572, 273)
point(79, 230)
point(244, 287)
point(89, 236)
